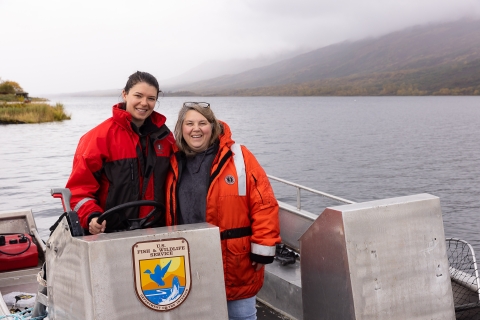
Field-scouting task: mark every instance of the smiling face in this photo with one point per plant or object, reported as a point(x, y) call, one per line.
point(140, 101)
point(196, 131)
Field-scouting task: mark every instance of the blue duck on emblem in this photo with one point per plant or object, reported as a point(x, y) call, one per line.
point(159, 273)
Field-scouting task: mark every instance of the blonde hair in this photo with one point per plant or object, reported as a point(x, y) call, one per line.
point(217, 128)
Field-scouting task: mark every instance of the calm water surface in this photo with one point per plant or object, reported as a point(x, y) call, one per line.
point(358, 148)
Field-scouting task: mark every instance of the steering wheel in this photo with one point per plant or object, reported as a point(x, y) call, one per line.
point(133, 224)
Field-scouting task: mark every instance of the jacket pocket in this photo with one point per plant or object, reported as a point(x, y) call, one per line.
point(238, 269)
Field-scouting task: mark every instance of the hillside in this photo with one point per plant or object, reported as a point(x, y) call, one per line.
point(215, 68)
point(423, 60)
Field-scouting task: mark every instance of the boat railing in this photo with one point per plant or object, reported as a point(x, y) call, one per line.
point(299, 188)
point(294, 220)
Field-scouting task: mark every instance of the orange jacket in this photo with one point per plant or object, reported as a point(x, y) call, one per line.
point(228, 209)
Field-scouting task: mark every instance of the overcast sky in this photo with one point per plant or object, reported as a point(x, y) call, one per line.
point(59, 46)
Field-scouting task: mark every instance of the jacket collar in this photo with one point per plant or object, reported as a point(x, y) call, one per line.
point(124, 119)
point(225, 137)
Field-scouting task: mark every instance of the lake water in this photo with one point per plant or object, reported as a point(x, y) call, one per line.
point(357, 148)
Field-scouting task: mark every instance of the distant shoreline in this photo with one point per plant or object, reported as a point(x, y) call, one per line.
point(266, 95)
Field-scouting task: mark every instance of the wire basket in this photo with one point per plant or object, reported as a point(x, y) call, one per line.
point(464, 276)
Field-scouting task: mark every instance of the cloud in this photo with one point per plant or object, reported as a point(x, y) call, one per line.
point(57, 46)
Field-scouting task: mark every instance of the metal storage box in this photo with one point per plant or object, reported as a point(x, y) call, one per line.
point(382, 259)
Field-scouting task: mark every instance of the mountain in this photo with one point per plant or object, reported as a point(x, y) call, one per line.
point(213, 69)
point(441, 58)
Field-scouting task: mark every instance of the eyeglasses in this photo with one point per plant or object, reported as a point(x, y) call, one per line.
point(194, 104)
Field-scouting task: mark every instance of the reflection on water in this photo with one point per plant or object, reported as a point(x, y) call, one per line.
point(357, 148)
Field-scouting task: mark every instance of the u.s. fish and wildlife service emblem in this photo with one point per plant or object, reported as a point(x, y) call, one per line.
point(162, 273)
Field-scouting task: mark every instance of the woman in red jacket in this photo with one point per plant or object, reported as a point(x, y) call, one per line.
point(215, 180)
point(125, 158)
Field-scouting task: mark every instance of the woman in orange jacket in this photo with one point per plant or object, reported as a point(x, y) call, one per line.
point(215, 180)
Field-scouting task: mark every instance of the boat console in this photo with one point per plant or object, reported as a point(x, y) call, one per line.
point(141, 273)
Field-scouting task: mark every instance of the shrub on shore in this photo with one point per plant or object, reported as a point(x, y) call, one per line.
point(15, 98)
point(8, 97)
point(31, 113)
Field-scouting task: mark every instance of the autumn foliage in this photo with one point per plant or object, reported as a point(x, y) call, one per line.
point(10, 87)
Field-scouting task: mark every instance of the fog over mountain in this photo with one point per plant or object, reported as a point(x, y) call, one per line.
point(67, 46)
point(439, 58)
point(213, 68)
point(422, 56)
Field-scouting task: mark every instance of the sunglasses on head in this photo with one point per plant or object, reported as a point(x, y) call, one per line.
point(193, 104)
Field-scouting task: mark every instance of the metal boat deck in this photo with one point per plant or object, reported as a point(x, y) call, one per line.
point(281, 295)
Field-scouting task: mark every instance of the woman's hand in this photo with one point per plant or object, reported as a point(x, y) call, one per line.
point(257, 266)
point(95, 228)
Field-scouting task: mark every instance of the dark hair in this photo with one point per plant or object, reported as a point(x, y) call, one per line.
point(139, 77)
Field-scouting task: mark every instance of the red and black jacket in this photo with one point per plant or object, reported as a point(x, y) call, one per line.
point(111, 167)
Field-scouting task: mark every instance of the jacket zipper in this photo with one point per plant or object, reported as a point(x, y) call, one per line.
point(132, 177)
